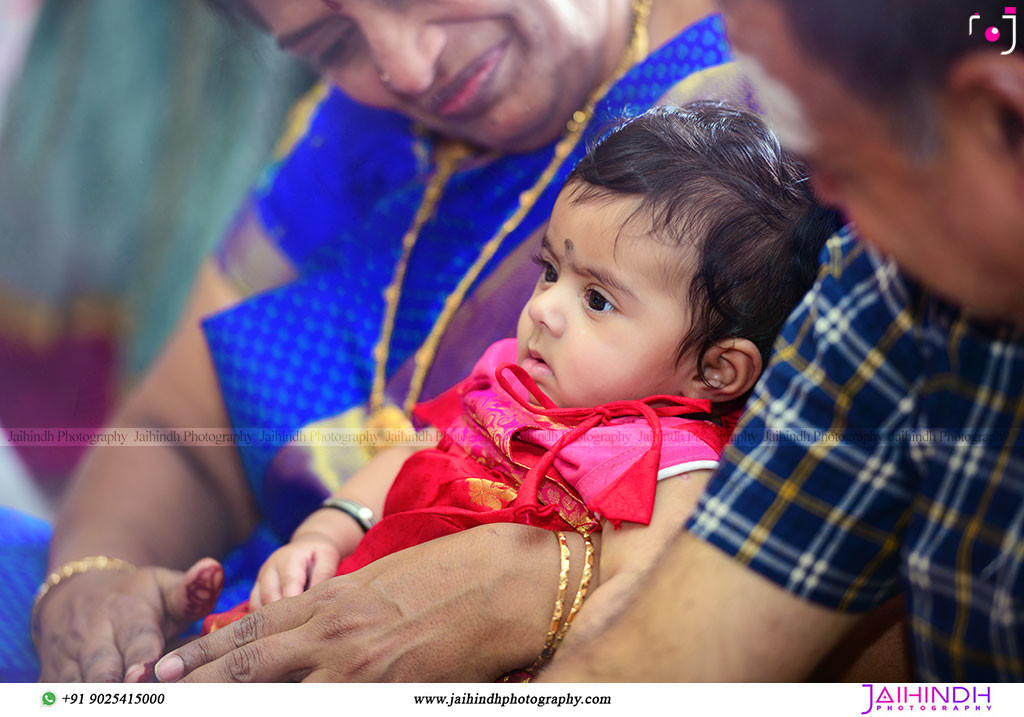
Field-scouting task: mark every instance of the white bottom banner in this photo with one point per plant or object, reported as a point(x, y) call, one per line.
point(841, 700)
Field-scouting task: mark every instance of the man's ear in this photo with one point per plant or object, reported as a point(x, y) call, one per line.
point(731, 368)
point(986, 91)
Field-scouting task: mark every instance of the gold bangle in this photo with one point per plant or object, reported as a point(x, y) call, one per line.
point(581, 593)
point(72, 568)
point(556, 618)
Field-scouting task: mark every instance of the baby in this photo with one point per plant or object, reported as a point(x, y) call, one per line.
point(674, 253)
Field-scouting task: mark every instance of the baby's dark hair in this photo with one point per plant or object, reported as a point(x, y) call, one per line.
point(714, 177)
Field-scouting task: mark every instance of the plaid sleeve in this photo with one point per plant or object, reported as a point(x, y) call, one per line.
point(815, 487)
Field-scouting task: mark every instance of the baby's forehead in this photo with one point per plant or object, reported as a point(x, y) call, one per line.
point(650, 245)
point(660, 260)
point(669, 218)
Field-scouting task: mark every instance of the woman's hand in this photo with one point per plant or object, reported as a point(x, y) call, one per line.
point(112, 626)
point(452, 609)
point(308, 560)
point(167, 505)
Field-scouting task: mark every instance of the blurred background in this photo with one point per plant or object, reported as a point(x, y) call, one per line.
point(130, 131)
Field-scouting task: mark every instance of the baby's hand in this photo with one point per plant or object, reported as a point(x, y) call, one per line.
point(308, 560)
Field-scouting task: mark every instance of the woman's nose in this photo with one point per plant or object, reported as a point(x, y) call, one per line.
point(405, 50)
point(545, 309)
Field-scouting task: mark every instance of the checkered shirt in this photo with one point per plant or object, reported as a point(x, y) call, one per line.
point(882, 452)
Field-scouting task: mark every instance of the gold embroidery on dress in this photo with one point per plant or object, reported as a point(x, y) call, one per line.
point(489, 494)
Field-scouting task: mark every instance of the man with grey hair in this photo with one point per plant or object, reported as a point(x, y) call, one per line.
point(882, 451)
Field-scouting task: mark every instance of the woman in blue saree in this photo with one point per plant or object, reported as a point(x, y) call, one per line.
point(364, 275)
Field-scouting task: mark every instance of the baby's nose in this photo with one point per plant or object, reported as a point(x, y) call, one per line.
point(545, 310)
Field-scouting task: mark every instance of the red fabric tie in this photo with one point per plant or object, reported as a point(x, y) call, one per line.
point(631, 496)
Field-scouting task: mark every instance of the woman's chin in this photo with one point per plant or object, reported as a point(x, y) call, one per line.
point(506, 137)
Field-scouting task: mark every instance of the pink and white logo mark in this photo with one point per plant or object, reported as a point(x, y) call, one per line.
point(993, 33)
point(928, 698)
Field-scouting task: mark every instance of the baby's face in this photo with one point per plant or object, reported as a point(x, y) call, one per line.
point(602, 324)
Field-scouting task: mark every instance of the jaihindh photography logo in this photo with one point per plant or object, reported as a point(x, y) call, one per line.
point(947, 698)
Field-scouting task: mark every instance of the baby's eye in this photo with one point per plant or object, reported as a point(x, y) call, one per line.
point(595, 301)
point(549, 272)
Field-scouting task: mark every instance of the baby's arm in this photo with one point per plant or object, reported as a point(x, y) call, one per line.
point(627, 554)
point(327, 535)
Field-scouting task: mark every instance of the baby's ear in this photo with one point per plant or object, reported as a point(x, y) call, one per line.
point(731, 368)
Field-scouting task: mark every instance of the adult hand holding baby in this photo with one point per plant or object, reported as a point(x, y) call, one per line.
point(392, 620)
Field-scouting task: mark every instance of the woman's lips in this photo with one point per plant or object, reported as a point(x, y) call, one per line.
point(467, 93)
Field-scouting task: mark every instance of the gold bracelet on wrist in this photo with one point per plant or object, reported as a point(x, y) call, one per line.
point(72, 568)
point(581, 592)
point(556, 617)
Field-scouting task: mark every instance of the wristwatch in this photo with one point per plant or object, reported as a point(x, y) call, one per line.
point(357, 511)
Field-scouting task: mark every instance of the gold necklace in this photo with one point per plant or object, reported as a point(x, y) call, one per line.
point(447, 157)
